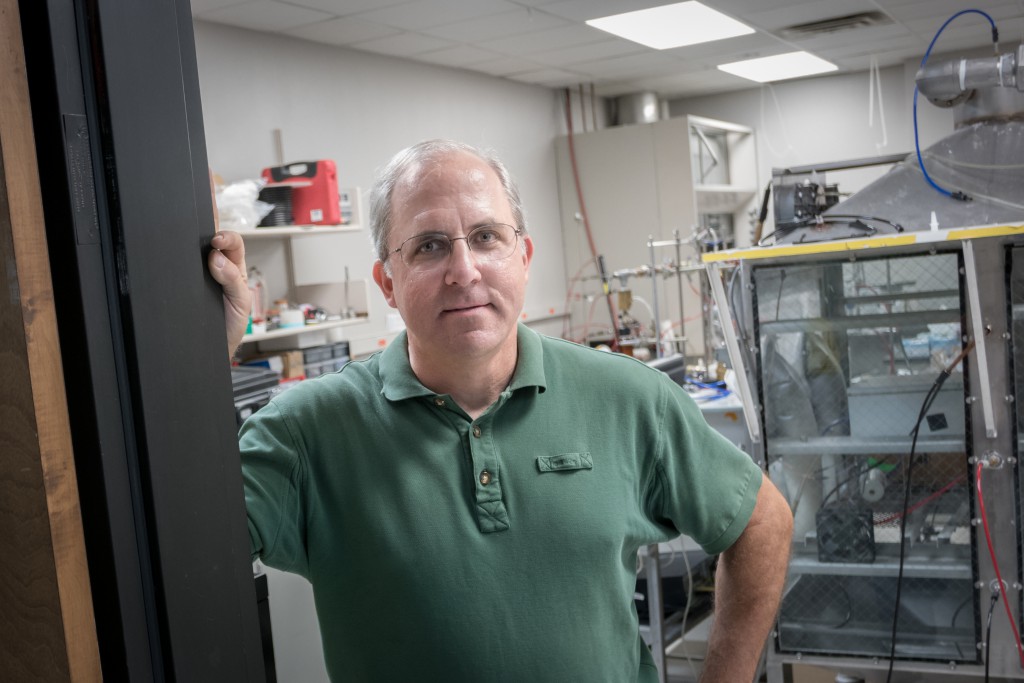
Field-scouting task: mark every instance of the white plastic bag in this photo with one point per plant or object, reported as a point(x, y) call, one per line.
point(239, 207)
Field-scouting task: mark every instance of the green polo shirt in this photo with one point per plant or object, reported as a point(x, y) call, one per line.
point(504, 548)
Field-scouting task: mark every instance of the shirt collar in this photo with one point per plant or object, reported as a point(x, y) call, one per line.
point(399, 382)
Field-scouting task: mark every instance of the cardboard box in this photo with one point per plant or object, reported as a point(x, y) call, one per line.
point(288, 364)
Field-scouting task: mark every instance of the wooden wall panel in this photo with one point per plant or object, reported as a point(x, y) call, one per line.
point(48, 632)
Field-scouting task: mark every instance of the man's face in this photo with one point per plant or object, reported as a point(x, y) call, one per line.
point(464, 307)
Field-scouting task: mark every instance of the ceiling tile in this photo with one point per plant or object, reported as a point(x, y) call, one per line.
point(264, 15)
point(415, 16)
point(975, 34)
point(909, 43)
point(343, 31)
point(462, 56)
point(861, 38)
point(590, 52)
point(514, 23)
point(582, 10)
point(403, 44)
point(804, 12)
point(551, 39)
point(941, 10)
point(742, 8)
point(546, 42)
point(753, 44)
point(200, 6)
point(342, 7)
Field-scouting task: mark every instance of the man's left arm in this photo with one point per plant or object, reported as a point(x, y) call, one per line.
point(748, 588)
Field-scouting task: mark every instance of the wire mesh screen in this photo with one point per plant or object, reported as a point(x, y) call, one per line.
point(1016, 301)
point(849, 353)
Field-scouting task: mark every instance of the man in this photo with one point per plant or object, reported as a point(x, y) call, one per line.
point(468, 503)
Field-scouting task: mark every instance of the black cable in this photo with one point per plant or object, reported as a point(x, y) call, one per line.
point(862, 469)
point(854, 220)
point(856, 217)
point(903, 539)
point(988, 629)
point(764, 212)
point(778, 299)
point(929, 398)
point(952, 622)
point(849, 609)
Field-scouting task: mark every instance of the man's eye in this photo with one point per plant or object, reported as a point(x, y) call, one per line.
point(485, 236)
point(430, 246)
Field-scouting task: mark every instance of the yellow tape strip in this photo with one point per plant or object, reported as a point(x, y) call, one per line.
point(841, 246)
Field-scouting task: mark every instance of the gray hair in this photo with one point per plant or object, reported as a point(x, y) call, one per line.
point(429, 151)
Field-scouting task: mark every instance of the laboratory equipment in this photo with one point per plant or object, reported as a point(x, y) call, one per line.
point(883, 373)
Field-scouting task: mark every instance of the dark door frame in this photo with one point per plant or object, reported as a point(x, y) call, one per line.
point(120, 144)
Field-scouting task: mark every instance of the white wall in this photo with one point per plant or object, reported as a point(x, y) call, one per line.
point(358, 109)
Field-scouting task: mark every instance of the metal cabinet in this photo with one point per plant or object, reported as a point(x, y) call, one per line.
point(883, 376)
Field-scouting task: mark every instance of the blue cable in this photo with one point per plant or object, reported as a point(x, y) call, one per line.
point(917, 145)
point(718, 387)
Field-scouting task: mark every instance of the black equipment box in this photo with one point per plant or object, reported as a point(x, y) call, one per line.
point(253, 387)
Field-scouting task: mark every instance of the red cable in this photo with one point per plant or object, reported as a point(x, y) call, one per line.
point(991, 551)
point(586, 220)
point(922, 502)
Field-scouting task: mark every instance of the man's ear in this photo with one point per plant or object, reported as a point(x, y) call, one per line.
point(386, 284)
point(527, 254)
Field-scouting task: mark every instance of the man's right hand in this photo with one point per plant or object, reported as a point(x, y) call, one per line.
point(226, 264)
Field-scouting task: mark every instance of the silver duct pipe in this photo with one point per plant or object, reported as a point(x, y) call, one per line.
point(640, 107)
point(950, 82)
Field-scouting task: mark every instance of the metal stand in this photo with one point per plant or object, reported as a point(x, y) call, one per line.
point(656, 610)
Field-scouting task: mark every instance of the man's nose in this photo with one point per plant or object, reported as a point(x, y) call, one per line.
point(462, 265)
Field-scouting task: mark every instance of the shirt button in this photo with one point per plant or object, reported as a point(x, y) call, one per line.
point(439, 402)
point(477, 431)
point(485, 477)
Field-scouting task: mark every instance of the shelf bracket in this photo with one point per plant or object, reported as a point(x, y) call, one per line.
point(978, 331)
point(732, 345)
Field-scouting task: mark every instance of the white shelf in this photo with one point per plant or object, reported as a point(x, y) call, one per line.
point(294, 331)
point(859, 445)
point(298, 231)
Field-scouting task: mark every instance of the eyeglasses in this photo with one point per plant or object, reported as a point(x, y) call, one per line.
point(493, 242)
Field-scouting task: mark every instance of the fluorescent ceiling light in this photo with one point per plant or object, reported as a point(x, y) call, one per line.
point(684, 23)
point(779, 67)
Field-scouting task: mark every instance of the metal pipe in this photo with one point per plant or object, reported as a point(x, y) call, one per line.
point(711, 152)
point(654, 290)
point(681, 343)
point(714, 271)
point(978, 329)
point(949, 82)
point(655, 611)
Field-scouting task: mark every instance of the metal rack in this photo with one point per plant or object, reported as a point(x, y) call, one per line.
point(839, 343)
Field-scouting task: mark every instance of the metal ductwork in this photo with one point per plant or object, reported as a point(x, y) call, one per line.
point(640, 107)
point(983, 159)
point(951, 82)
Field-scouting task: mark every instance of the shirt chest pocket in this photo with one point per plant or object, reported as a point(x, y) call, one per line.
point(565, 462)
